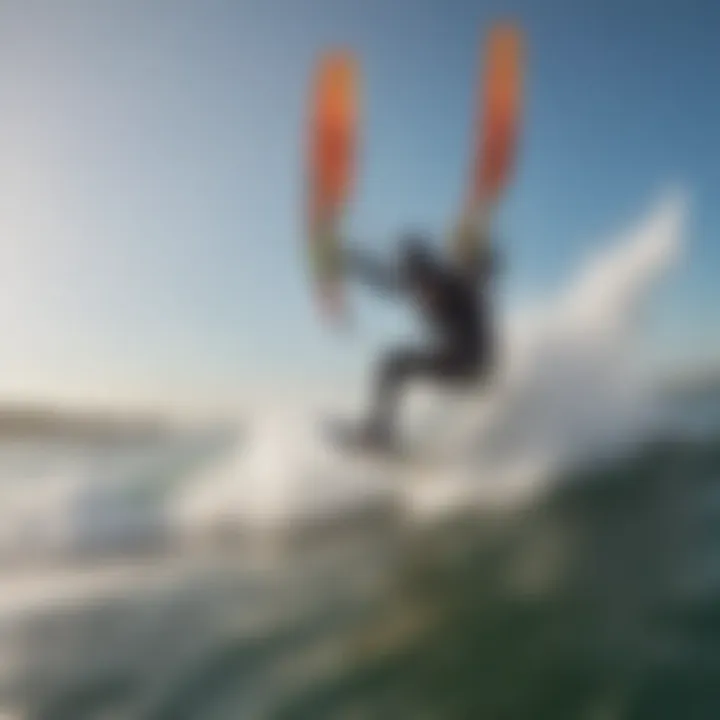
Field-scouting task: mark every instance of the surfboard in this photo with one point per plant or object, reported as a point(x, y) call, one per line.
point(344, 435)
point(333, 125)
point(347, 436)
point(495, 130)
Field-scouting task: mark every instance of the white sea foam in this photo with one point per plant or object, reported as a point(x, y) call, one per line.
point(572, 386)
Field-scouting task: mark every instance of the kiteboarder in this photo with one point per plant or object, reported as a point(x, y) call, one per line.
point(454, 296)
point(453, 302)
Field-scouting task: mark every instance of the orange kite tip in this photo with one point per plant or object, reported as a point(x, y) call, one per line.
point(339, 56)
point(506, 33)
point(506, 25)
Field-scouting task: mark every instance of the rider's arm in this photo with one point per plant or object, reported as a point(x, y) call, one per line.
point(372, 272)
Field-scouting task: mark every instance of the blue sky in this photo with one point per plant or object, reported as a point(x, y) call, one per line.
point(150, 183)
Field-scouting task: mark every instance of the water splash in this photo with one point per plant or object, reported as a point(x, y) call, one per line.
point(572, 387)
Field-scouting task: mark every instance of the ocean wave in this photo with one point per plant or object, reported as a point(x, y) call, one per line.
point(572, 390)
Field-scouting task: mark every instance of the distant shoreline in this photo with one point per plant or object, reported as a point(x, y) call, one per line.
point(33, 421)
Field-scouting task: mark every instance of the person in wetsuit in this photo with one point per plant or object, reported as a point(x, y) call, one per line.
point(454, 302)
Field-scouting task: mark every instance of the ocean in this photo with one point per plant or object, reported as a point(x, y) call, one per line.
point(558, 558)
point(598, 601)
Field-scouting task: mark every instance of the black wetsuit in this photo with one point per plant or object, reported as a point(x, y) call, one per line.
point(455, 305)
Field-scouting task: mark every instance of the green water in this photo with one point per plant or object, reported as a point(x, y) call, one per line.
point(598, 602)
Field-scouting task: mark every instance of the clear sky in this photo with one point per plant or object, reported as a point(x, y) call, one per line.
point(150, 172)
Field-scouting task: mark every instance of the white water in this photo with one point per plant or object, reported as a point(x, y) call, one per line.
point(571, 387)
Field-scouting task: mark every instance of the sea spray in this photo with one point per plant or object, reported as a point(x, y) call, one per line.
point(571, 389)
